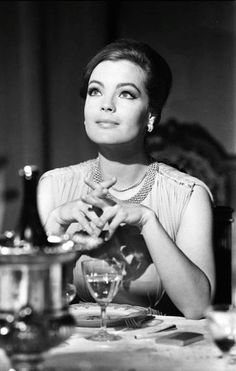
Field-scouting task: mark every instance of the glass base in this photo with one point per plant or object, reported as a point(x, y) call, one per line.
point(103, 336)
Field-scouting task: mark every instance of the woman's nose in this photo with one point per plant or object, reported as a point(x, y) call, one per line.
point(108, 105)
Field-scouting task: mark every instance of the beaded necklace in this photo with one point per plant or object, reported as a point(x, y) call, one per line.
point(148, 181)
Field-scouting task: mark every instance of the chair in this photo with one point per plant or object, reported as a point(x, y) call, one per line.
point(190, 148)
point(223, 253)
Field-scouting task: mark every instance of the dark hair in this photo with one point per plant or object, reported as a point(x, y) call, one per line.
point(159, 76)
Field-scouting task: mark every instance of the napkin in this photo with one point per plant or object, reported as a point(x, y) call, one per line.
point(151, 332)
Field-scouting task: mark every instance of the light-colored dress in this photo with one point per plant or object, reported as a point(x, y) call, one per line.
point(168, 197)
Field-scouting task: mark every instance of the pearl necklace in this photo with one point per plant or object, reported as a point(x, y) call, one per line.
point(148, 181)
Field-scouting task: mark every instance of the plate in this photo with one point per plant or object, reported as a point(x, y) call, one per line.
point(88, 314)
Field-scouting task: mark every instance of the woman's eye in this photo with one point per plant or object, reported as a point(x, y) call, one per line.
point(94, 91)
point(127, 95)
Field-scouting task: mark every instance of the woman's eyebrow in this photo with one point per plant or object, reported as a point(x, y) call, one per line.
point(96, 82)
point(128, 84)
point(120, 85)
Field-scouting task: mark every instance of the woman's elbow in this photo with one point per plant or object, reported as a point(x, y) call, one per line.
point(198, 310)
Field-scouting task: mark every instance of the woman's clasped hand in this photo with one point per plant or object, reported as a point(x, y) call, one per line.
point(113, 214)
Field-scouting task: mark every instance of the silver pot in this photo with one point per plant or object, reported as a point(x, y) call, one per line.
point(34, 312)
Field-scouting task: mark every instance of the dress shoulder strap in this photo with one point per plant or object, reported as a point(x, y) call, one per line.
point(182, 178)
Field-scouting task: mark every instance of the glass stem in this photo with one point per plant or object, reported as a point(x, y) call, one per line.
point(103, 318)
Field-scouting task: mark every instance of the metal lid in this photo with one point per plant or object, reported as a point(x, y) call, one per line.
point(13, 250)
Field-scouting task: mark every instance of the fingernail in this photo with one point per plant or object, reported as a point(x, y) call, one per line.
point(108, 236)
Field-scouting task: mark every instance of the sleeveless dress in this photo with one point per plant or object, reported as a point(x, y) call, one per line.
point(168, 198)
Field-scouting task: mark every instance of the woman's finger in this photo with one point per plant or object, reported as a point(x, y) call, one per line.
point(99, 202)
point(94, 201)
point(77, 212)
point(93, 215)
point(83, 217)
point(115, 219)
point(115, 223)
point(105, 184)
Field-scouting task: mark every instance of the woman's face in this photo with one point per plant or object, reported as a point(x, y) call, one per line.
point(117, 105)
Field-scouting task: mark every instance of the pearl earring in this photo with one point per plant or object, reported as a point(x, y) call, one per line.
point(150, 125)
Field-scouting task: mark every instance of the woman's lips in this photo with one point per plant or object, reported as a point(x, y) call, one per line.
point(107, 123)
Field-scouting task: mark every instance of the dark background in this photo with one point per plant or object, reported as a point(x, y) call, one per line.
point(45, 45)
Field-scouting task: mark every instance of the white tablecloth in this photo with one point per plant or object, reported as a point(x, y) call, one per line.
point(131, 354)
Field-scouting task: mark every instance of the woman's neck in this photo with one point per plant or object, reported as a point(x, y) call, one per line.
point(127, 171)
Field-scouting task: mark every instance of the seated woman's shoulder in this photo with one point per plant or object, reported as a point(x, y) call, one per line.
point(176, 176)
point(68, 171)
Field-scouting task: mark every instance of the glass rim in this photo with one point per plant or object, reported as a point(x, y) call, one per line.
point(106, 260)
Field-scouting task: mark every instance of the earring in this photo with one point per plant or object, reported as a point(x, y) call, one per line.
point(150, 125)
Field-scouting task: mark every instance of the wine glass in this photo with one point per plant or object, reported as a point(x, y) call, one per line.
point(221, 320)
point(103, 278)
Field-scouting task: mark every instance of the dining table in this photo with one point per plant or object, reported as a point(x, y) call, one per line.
point(138, 349)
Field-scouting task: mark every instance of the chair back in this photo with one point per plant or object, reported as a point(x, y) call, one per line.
point(222, 238)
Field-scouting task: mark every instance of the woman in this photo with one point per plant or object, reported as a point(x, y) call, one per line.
point(161, 218)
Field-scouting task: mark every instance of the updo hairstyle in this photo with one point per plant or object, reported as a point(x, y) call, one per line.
point(159, 76)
